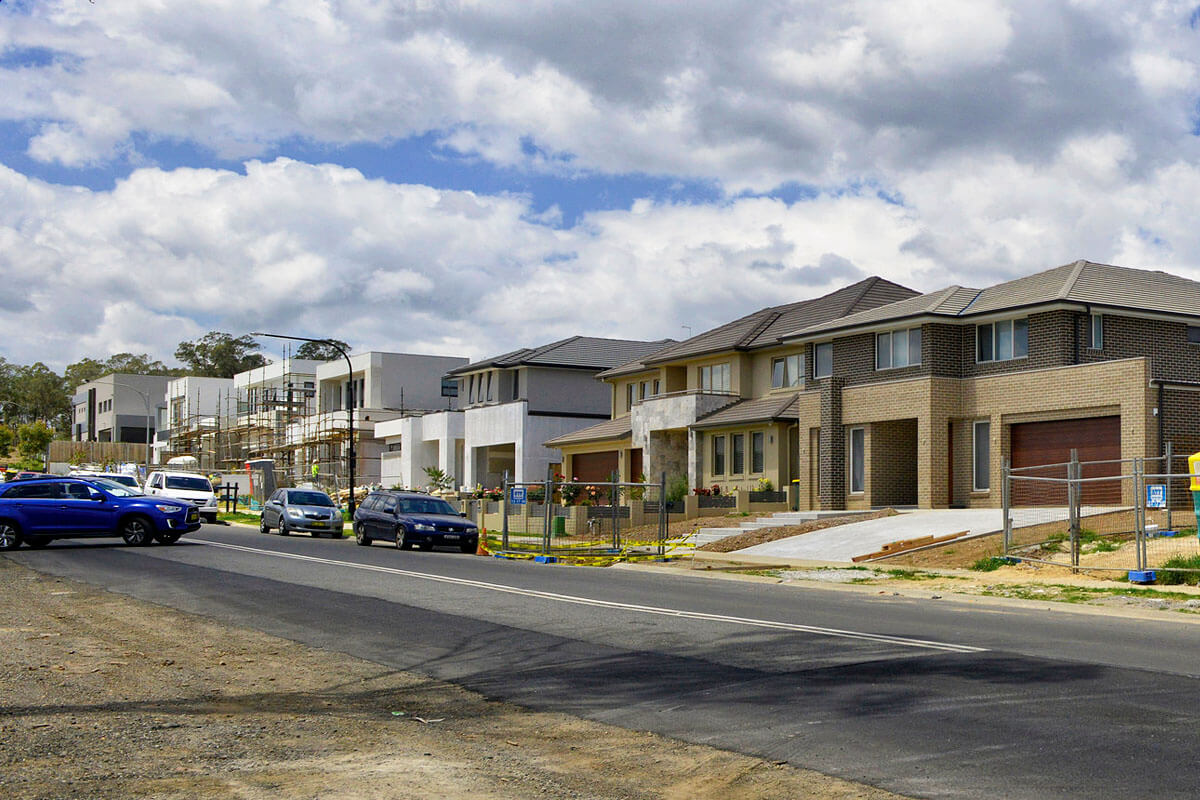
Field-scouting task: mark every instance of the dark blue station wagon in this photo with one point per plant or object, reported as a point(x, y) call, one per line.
point(413, 519)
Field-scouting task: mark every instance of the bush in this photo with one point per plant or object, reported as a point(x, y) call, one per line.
point(1177, 578)
point(677, 489)
point(990, 563)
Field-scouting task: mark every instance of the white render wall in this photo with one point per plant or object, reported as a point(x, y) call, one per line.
point(511, 424)
point(431, 440)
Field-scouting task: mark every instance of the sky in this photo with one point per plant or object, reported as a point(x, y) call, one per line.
point(465, 178)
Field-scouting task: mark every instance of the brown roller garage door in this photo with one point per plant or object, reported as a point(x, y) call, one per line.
point(597, 467)
point(1095, 439)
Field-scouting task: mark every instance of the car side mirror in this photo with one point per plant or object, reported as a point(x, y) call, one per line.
point(100, 498)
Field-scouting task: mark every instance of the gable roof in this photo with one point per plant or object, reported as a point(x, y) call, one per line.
point(763, 409)
point(766, 327)
point(576, 352)
point(1082, 282)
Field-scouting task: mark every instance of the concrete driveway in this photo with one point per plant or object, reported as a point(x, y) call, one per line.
point(859, 538)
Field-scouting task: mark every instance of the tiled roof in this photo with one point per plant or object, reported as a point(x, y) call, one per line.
point(577, 352)
point(619, 428)
point(767, 326)
point(763, 409)
point(1082, 282)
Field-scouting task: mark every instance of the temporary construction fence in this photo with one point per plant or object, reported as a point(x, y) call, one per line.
point(1127, 515)
point(564, 521)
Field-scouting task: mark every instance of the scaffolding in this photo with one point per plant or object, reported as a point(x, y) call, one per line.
point(274, 417)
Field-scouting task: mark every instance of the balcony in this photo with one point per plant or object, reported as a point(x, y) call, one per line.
point(674, 411)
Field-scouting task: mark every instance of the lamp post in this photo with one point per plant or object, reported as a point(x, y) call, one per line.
point(146, 400)
point(349, 405)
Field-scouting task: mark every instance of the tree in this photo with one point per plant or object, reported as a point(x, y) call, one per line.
point(41, 394)
point(33, 439)
point(6, 441)
point(321, 351)
point(220, 355)
point(86, 370)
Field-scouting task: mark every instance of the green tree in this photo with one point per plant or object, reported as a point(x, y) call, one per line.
point(33, 438)
point(86, 370)
point(321, 351)
point(41, 394)
point(220, 355)
point(6, 441)
point(82, 371)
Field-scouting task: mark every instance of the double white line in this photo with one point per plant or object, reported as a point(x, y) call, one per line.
point(587, 601)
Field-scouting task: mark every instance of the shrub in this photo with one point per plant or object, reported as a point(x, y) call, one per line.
point(1176, 578)
point(989, 563)
point(677, 489)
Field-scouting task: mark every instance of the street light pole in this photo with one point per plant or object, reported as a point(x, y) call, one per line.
point(146, 400)
point(350, 404)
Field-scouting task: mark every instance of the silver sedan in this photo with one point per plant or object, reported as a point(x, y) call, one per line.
point(301, 510)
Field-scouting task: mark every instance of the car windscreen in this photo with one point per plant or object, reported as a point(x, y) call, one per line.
point(310, 499)
point(124, 480)
point(189, 484)
point(114, 488)
point(423, 505)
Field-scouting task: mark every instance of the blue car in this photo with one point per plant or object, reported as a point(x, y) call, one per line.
point(37, 510)
point(411, 519)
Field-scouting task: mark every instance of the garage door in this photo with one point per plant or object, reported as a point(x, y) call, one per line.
point(597, 467)
point(1094, 438)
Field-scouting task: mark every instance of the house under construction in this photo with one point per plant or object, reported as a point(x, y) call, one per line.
point(294, 412)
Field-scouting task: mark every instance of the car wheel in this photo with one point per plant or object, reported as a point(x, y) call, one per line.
point(136, 531)
point(167, 538)
point(283, 528)
point(360, 536)
point(400, 543)
point(10, 537)
point(336, 534)
point(263, 527)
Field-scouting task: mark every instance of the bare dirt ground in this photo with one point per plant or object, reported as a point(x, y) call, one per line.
point(107, 697)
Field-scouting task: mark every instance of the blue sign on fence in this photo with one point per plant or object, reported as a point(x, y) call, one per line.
point(1156, 495)
point(516, 495)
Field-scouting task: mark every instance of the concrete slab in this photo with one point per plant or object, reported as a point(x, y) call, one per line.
point(845, 542)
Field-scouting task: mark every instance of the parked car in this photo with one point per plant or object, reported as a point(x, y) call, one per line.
point(38, 510)
point(308, 510)
point(189, 486)
point(118, 477)
point(412, 519)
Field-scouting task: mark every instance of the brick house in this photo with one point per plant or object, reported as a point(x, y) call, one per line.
point(718, 408)
point(919, 402)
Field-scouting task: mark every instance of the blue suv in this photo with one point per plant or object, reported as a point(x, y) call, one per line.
point(38, 510)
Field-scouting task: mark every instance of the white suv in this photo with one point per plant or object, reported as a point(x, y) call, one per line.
point(188, 486)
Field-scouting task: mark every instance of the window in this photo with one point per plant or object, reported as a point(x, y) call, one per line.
point(1097, 332)
point(1193, 334)
point(645, 389)
point(896, 349)
point(787, 371)
point(718, 455)
point(516, 380)
point(823, 360)
point(982, 461)
point(490, 394)
point(1002, 341)
point(629, 396)
point(715, 378)
point(857, 460)
point(656, 387)
point(756, 452)
point(739, 454)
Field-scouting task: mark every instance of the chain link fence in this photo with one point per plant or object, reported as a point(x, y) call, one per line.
point(1129, 515)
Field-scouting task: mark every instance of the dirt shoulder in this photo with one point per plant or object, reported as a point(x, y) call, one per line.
point(108, 697)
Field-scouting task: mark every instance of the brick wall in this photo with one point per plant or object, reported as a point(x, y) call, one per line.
point(894, 469)
point(832, 454)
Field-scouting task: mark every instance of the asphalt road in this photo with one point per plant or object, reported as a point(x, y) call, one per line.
point(925, 697)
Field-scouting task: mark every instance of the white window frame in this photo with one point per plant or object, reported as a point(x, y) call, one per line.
point(996, 328)
point(822, 347)
point(793, 371)
point(975, 487)
point(850, 452)
point(1097, 338)
point(889, 352)
point(709, 375)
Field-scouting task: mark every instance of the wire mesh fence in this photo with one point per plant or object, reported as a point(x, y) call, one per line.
point(1129, 515)
point(581, 520)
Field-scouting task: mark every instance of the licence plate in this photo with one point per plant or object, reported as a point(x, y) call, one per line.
point(316, 524)
point(193, 515)
point(449, 535)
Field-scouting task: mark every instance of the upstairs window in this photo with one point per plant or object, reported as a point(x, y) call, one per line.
point(629, 395)
point(1193, 334)
point(896, 349)
point(490, 395)
point(1096, 334)
point(823, 360)
point(1002, 341)
point(715, 378)
point(516, 384)
point(787, 371)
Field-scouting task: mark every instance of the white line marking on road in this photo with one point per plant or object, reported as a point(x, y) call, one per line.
point(587, 601)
